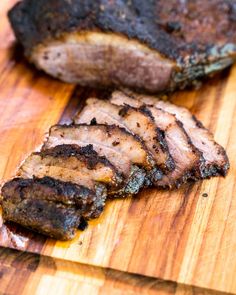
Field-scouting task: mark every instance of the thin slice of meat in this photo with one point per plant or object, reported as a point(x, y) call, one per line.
point(186, 157)
point(50, 206)
point(125, 151)
point(82, 166)
point(216, 160)
point(109, 141)
point(137, 121)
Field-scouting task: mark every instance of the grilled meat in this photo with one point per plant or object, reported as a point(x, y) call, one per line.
point(137, 121)
point(109, 141)
point(150, 45)
point(82, 166)
point(50, 206)
point(186, 157)
point(124, 150)
point(58, 189)
point(215, 161)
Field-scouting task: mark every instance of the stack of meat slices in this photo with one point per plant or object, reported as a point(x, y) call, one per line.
point(180, 146)
point(114, 148)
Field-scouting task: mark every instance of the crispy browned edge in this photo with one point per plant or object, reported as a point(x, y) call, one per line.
point(50, 206)
point(85, 154)
point(159, 134)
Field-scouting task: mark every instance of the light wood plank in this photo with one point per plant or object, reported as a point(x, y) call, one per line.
point(179, 236)
point(34, 274)
point(29, 102)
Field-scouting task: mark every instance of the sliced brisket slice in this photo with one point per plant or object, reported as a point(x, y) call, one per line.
point(216, 160)
point(51, 207)
point(72, 163)
point(109, 141)
point(137, 121)
point(125, 151)
point(186, 157)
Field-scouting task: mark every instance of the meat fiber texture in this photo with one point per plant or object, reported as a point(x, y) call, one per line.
point(124, 150)
point(149, 45)
point(58, 189)
point(212, 158)
point(49, 206)
point(215, 158)
point(114, 148)
point(139, 122)
point(180, 146)
point(186, 157)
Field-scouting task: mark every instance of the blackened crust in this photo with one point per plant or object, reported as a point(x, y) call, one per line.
point(137, 180)
point(137, 177)
point(50, 206)
point(195, 172)
point(53, 190)
point(35, 21)
point(51, 219)
point(170, 28)
point(211, 169)
point(169, 164)
point(59, 191)
point(160, 134)
point(174, 29)
point(109, 130)
point(87, 154)
point(66, 190)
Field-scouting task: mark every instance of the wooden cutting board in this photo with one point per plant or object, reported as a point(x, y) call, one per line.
point(180, 236)
point(35, 274)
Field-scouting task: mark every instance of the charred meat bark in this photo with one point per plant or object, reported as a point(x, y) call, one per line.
point(215, 161)
point(124, 150)
point(138, 121)
point(149, 45)
point(109, 141)
point(79, 165)
point(51, 207)
point(186, 157)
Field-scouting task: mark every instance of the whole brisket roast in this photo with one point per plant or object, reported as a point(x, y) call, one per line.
point(153, 45)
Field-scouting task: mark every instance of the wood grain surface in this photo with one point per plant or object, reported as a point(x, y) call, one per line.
point(35, 274)
point(179, 236)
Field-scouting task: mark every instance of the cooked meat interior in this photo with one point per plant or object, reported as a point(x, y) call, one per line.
point(82, 166)
point(108, 141)
point(50, 206)
point(137, 121)
point(186, 157)
point(150, 45)
point(125, 151)
point(216, 161)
